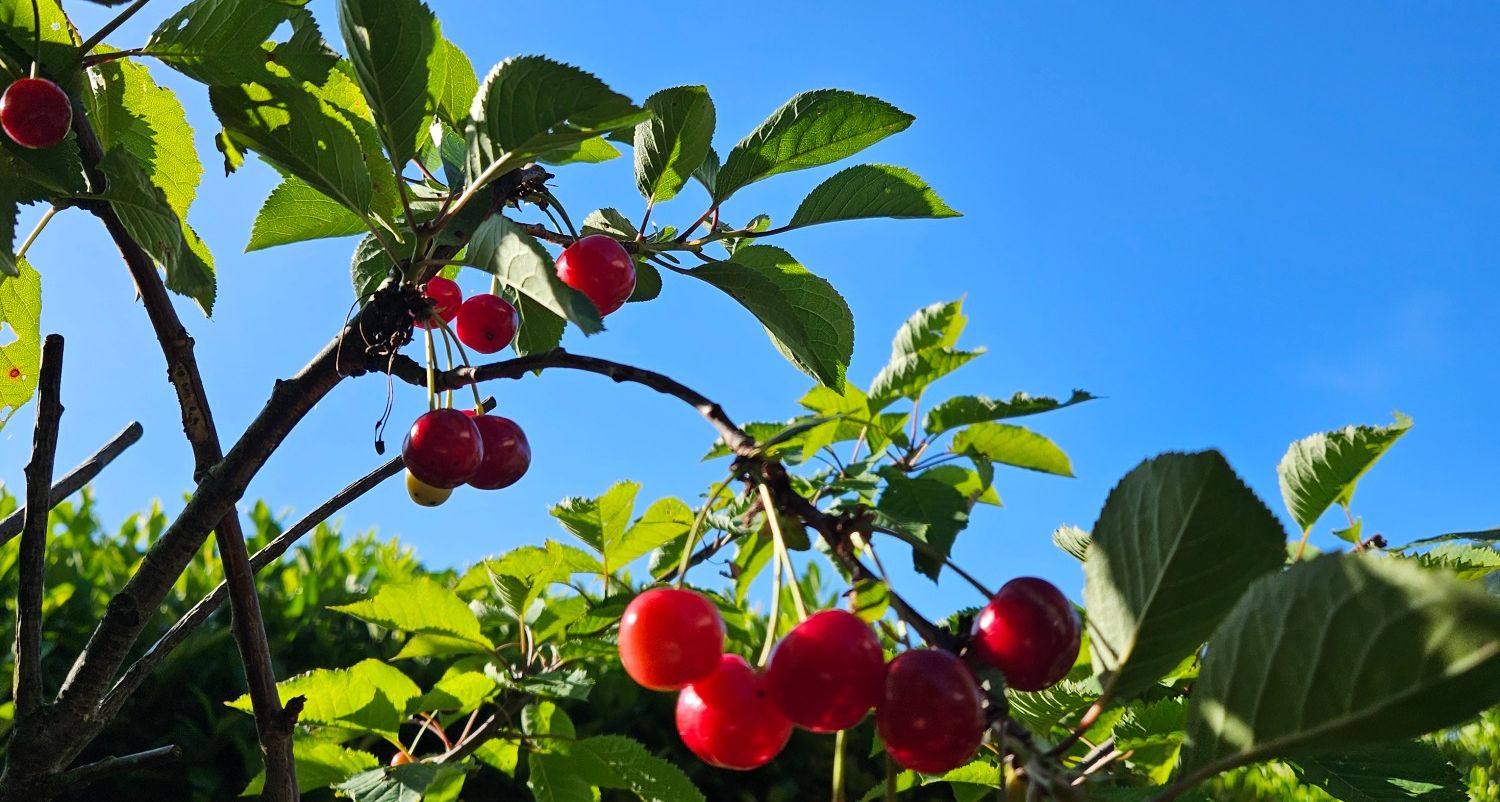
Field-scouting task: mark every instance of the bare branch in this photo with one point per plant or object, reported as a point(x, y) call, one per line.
point(271, 722)
point(27, 687)
point(409, 371)
point(75, 479)
point(76, 779)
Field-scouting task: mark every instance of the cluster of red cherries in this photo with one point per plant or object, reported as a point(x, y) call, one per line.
point(829, 671)
point(35, 113)
point(446, 447)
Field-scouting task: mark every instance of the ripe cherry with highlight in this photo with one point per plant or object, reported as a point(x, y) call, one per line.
point(727, 719)
point(1030, 632)
point(827, 672)
point(443, 448)
point(487, 323)
point(599, 267)
point(670, 637)
point(507, 454)
point(35, 113)
point(930, 715)
point(446, 299)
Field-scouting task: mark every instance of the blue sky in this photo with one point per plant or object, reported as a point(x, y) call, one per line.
point(1239, 225)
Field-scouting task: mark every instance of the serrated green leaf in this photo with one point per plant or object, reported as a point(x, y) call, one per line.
point(458, 691)
point(1395, 772)
point(540, 329)
point(553, 778)
point(707, 173)
point(967, 482)
point(598, 522)
point(647, 283)
point(18, 30)
point(811, 129)
point(870, 190)
point(390, 44)
point(295, 212)
point(430, 645)
point(1468, 561)
point(608, 221)
point(664, 521)
point(1360, 649)
point(300, 133)
point(647, 776)
point(673, 142)
point(369, 266)
point(367, 697)
point(529, 105)
point(320, 764)
point(1322, 470)
point(1155, 724)
point(129, 110)
point(451, 84)
point(1043, 710)
point(807, 320)
point(20, 358)
point(144, 211)
point(928, 508)
point(1012, 445)
point(500, 248)
point(406, 783)
point(221, 42)
point(500, 755)
point(965, 410)
point(589, 151)
point(420, 605)
point(908, 375)
point(1179, 540)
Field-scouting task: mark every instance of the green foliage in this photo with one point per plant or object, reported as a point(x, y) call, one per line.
point(1359, 649)
point(674, 142)
point(20, 359)
point(1179, 540)
point(1321, 470)
point(870, 190)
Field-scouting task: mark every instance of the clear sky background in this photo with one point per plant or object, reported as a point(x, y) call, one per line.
point(1239, 225)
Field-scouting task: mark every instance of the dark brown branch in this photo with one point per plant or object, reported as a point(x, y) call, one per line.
point(271, 722)
point(409, 371)
point(76, 779)
point(27, 687)
point(75, 479)
point(147, 663)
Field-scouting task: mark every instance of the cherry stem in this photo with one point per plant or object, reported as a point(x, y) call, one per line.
point(36, 19)
point(773, 620)
point(693, 534)
point(640, 231)
point(431, 372)
point(890, 778)
point(774, 519)
point(561, 211)
point(36, 232)
point(109, 27)
point(838, 767)
point(464, 355)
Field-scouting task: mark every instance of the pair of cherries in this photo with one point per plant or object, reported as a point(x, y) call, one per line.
point(828, 672)
point(485, 322)
point(446, 448)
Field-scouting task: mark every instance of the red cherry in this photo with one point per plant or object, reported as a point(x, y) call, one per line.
point(400, 759)
point(443, 448)
point(487, 323)
point(446, 298)
point(35, 113)
point(1030, 632)
point(598, 267)
point(507, 455)
point(670, 637)
point(930, 717)
point(827, 672)
point(727, 720)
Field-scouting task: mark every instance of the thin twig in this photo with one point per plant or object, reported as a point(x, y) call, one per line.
point(27, 686)
point(75, 779)
point(75, 479)
point(110, 27)
point(147, 663)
